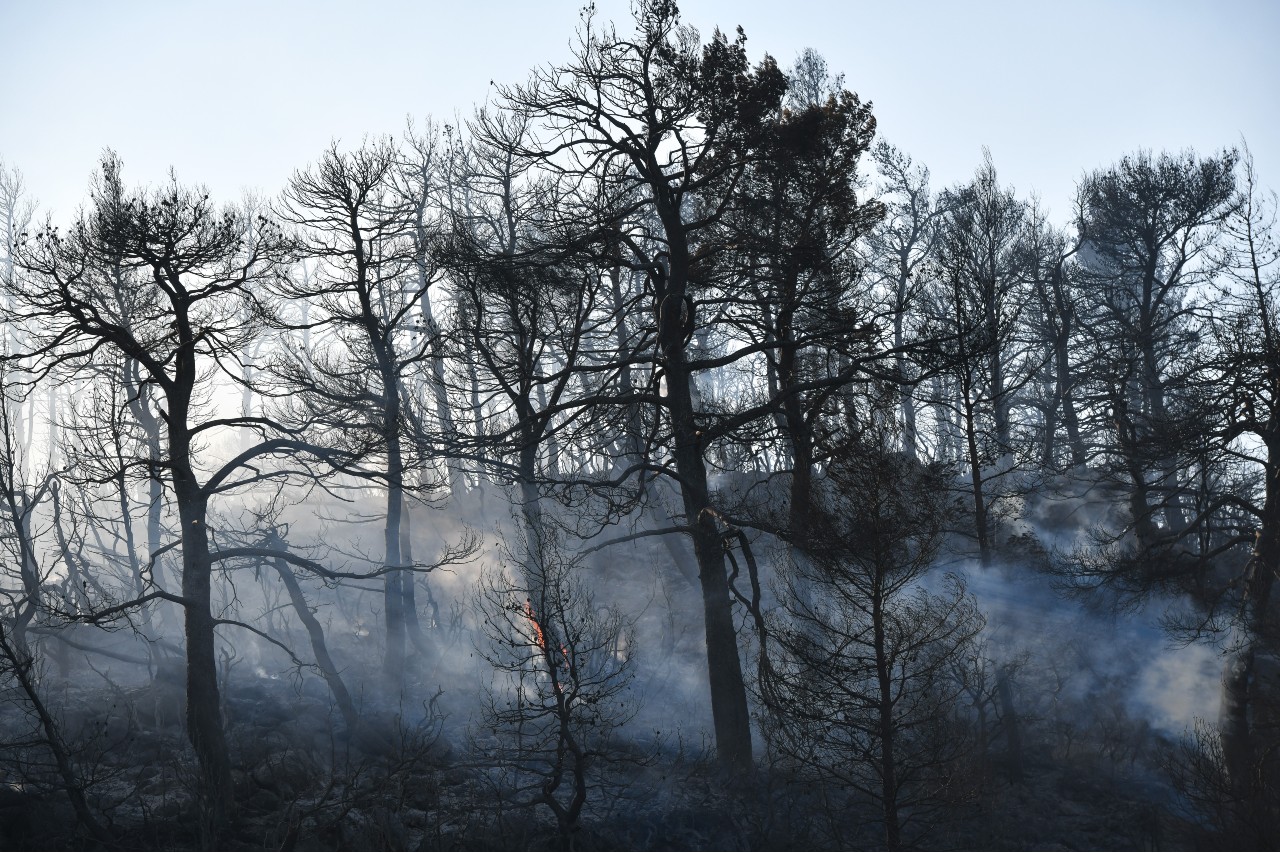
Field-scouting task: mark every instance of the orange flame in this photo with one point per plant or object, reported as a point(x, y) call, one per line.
point(539, 637)
point(537, 629)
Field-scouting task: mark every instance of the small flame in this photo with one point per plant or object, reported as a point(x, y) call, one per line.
point(541, 640)
point(537, 629)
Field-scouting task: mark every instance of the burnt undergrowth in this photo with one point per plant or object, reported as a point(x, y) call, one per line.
point(410, 779)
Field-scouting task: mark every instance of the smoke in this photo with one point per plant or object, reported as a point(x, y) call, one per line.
point(1095, 651)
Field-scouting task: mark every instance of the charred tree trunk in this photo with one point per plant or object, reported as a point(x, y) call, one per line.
point(21, 663)
point(341, 696)
point(633, 444)
point(439, 391)
point(730, 716)
point(1064, 377)
point(203, 714)
point(910, 443)
point(888, 729)
point(1240, 688)
point(393, 592)
point(797, 428)
point(413, 625)
point(1012, 726)
point(531, 514)
point(981, 522)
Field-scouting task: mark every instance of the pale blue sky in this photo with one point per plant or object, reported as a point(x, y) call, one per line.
point(238, 94)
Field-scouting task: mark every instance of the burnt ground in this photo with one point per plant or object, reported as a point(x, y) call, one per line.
point(411, 780)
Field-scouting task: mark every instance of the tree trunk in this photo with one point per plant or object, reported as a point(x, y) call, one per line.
point(1012, 728)
point(632, 441)
point(1240, 687)
point(203, 714)
point(22, 665)
point(995, 366)
point(1070, 418)
point(413, 625)
point(440, 395)
point(393, 595)
point(910, 442)
point(341, 696)
point(981, 523)
point(888, 762)
point(799, 436)
point(729, 711)
point(531, 514)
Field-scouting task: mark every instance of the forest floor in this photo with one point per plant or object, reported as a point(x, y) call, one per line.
point(411, 784)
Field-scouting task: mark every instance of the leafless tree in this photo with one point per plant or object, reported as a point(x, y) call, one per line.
point(534, 322)
point(1053, 325)
point(898, 252)
point(561, 671)
point(181, 312)
point(1245, 376)
point(366, 290)
point(858, 665)
point(1148, 225)
point(976, 304)
point(29, 602)
point(671, 128)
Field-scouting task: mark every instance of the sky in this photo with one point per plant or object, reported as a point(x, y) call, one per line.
point(237, 94)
